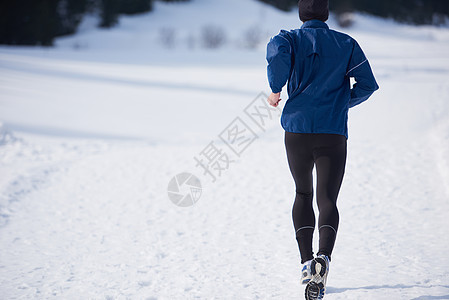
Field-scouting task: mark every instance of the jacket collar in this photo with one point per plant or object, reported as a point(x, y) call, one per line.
point(314, 24)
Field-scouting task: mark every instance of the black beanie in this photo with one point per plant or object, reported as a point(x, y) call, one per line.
point(313, 10)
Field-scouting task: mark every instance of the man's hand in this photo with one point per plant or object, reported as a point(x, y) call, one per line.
point(274, 99)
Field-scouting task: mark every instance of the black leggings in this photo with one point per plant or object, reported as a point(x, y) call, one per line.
point(328, 153)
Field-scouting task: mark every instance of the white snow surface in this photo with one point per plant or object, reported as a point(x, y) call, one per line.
point(93, 130)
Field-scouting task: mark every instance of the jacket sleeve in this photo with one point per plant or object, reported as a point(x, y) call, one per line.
point(279, 58)
point(360, 69)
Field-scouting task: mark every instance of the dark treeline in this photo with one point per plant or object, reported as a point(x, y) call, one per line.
point(409, 11)
point(38, 22)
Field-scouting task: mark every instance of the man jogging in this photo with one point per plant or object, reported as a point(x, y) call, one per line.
point(317, 63)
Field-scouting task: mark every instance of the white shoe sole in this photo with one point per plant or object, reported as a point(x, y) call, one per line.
point(316, 287)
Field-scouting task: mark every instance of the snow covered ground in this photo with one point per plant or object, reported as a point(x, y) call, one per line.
point(93, 131)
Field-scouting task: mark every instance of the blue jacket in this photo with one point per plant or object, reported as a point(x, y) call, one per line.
point(318, 63)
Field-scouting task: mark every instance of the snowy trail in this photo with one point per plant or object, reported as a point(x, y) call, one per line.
point(99, 224)
point(88, 147)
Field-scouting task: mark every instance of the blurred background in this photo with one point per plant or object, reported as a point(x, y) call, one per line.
point(30, 22)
